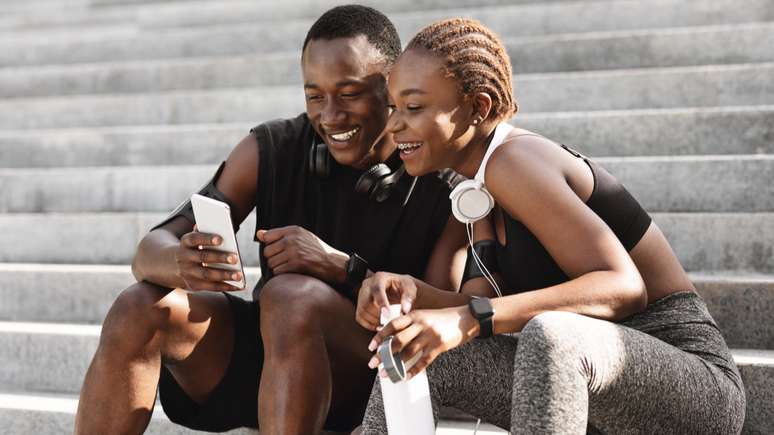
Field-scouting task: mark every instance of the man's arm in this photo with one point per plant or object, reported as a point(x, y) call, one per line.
point(158, 257)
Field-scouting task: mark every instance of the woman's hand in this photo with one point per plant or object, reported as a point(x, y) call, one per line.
point(428, 332)
point(378, 291)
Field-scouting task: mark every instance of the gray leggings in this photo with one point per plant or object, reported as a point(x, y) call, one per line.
point(665, 370)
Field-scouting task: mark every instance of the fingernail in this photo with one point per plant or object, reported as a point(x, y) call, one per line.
point(235, 276)
point(372, 363)
point(372, 345)
point(231, 259)
point(406, 307)
point(216, 240)
point(382, 373)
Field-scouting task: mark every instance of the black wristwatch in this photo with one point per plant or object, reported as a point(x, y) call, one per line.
point(482, 310)
point(357, 268)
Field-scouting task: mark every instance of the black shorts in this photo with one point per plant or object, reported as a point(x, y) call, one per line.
point(234, 401)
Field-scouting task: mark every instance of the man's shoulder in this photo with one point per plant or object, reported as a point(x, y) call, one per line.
point(283, 131)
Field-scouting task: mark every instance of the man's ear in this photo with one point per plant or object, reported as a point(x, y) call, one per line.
point(482, 106)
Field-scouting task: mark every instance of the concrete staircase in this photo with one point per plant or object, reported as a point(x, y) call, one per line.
point(113, 111)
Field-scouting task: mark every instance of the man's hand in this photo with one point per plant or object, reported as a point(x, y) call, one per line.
point(378, 291)
point(193, 257)
point(293, 249)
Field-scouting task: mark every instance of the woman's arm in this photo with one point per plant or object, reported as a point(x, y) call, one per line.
point(604, 282)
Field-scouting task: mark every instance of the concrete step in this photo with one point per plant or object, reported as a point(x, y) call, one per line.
point(228, 38)
point(727, 85)
point(702, 241)
point(704, 131)
point(742, 304)
point(207, 13)
point(747, 43)
point(723, 183)
point(194, 13)
point(53, 414)
point(82, 293)
point(79, 238)
point(50, 414)
point(756, 366)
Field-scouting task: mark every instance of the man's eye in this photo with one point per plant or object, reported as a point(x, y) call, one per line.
point(313, 97)
point(351, 95)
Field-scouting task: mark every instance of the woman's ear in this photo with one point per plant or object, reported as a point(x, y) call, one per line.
point(482, 106)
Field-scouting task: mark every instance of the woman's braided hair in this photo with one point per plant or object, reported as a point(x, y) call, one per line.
point(475, 57)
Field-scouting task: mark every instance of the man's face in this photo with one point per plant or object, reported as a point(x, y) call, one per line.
point(344, 83)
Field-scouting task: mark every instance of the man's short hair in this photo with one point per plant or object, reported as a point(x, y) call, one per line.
point(354, 20)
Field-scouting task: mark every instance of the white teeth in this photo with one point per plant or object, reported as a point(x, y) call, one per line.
point(347, 135)
point(409, 145)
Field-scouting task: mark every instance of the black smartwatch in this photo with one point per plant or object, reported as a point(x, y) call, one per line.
point(482, 310)
point(357, 268)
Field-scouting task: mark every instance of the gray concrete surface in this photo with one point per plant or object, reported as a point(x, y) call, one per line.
point(650, 48)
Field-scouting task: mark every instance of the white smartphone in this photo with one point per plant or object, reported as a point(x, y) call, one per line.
point(214, 217)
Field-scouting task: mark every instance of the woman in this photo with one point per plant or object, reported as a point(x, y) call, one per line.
point(612, 336)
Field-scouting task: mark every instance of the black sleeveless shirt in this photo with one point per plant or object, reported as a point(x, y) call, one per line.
point(524, 262)
point(390, 236)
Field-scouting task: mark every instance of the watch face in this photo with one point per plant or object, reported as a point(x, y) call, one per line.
point(482, 307)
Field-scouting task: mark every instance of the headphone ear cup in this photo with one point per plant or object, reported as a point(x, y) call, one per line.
point(369, 182)
point(318, 161)
point(470, 201)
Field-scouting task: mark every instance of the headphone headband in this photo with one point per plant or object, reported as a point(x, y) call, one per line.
point(470, 201)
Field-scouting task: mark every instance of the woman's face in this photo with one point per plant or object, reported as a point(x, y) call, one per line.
point(430, 120)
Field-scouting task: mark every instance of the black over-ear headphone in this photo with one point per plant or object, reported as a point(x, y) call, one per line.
point(377, 182)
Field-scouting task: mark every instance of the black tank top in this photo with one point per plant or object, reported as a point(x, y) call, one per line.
point(526, 265)
point(390, 236)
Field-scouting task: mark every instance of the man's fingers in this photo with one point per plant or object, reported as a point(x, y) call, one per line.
point(217, 275)
point(202, 285)
point(277, 260)
point(193, 240)
point(274, 234)
point(271, 249)
point(209, 256)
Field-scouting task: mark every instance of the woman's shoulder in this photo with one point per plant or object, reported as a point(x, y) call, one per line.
point(523, 152)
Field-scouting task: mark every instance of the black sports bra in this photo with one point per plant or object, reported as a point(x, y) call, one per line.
point(524, 262)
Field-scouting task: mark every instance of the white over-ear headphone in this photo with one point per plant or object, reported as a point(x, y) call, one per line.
point(470, 201)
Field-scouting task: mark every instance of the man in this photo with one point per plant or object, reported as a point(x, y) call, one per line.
point(207, 350)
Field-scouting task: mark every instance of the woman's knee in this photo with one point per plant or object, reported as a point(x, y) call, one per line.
point(551, 327)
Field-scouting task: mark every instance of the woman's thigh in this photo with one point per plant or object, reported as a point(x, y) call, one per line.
point(624, 380)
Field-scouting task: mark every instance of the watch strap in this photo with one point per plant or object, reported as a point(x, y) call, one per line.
point(357, 268)
point(485, 319)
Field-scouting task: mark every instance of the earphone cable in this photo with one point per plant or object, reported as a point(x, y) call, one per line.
point(488, 275)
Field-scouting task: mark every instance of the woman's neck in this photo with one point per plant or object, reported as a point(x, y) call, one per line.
point(473, 153)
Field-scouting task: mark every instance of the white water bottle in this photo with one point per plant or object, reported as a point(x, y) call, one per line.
point(407, 407)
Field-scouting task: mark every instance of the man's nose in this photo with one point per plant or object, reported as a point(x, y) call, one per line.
point(331, 114)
